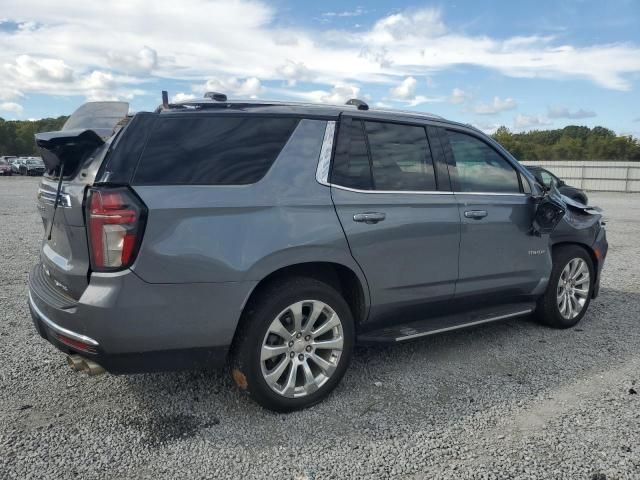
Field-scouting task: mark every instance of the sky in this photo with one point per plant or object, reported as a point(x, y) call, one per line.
point(526, 65)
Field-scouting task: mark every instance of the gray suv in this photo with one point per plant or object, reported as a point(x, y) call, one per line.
point(276, 236)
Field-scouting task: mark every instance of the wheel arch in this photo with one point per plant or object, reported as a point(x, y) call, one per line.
point(351, 284)
point(588, 248)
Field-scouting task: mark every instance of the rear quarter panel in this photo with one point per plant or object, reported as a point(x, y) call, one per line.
point(243, 233)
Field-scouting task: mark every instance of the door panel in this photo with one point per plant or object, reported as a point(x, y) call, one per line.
point(411, 257)
point(497, 250)
point(498, 253)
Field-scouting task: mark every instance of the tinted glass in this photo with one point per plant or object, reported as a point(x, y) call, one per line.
point(479, 168)
point(547, 178)
point(351, 162)
point(400, 157)
point(221, 150)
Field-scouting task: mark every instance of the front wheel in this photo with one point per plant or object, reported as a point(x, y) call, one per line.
point(294, 344)
point(570, 288)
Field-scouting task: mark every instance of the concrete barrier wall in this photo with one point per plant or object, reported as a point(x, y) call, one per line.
point(596, 175)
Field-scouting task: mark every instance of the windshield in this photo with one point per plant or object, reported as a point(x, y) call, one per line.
point(34, 162)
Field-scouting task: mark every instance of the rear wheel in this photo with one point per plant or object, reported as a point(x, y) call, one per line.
point(570, 288)
point(294, 344)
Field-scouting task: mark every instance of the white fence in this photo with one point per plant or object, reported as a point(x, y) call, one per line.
point(596, 175)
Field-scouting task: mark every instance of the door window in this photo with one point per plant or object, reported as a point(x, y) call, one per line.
point(383, 156)
point(479, 168)
point(400, 157)
point(351, 164)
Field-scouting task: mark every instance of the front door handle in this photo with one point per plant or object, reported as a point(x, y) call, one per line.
point(369, 217)
point(477, 214)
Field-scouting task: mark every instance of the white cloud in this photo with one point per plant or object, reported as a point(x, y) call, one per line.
point(528, 121)
point(170, 41)
point(459, 96)
point(338, 95)
point(143, 61)
point(26, 68)
point(498, 105)
point(346, 13)
point(182, 97)
point(564, 112)
point(248, 87)
point(488, 128)
point(405, 90)
point(294, 72)
point(11, 107)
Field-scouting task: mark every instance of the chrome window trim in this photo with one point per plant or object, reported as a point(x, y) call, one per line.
point(411, 192)
point(49, 197)
point(426, 192)
point(502, 194)
point(58, 328)
point(324, 162)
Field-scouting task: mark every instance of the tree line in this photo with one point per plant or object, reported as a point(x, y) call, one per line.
point(568, 143)
point(16, 136)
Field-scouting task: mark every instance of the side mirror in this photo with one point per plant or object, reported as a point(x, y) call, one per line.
point(549, 211)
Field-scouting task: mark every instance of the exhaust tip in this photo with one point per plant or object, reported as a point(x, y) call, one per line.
point(92, 368)
point(76, 362)
point(80, 364)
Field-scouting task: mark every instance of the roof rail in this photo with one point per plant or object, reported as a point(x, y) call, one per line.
point(357, 103)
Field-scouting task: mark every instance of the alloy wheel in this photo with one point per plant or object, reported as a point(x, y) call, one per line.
point(573, 288)
point(302, 348)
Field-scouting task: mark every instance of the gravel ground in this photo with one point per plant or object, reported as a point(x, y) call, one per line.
point(507, 400)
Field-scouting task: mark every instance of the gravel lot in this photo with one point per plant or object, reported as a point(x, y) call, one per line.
point(507, 400)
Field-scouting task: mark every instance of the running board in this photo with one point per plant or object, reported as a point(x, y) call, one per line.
point(432, 326)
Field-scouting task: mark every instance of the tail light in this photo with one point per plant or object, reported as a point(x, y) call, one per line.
point(115, 224)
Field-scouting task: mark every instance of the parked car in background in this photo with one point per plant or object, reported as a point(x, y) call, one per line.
point(547, 179)
point(32, 166)
point(8, 159)
point(16, 163)
point(5, 168)
point(278, 235)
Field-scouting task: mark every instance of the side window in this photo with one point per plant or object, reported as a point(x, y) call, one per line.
point(547, 178)
point(479, 168)
point(212, 150)
point(400, 157)
point(351, 162)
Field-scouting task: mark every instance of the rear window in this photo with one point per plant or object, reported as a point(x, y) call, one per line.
point(222, 150)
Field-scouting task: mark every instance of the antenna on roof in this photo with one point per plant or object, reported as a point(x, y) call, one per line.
point(165, 99)
point(218, 97)
point(358, 103)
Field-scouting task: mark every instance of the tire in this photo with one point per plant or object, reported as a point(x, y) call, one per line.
point(318, 370)
point(551, 310)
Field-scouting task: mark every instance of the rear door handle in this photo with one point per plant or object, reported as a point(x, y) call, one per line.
point(477, 214)
point(369, 217)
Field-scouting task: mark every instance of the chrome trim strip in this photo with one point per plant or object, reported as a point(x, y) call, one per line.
point(464, 325)
point(49, 197)
point(431, 192)
point(58, 328)
point(502, 194)
point(322, 172)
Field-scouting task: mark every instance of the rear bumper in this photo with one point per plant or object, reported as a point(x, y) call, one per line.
point(133, 326)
